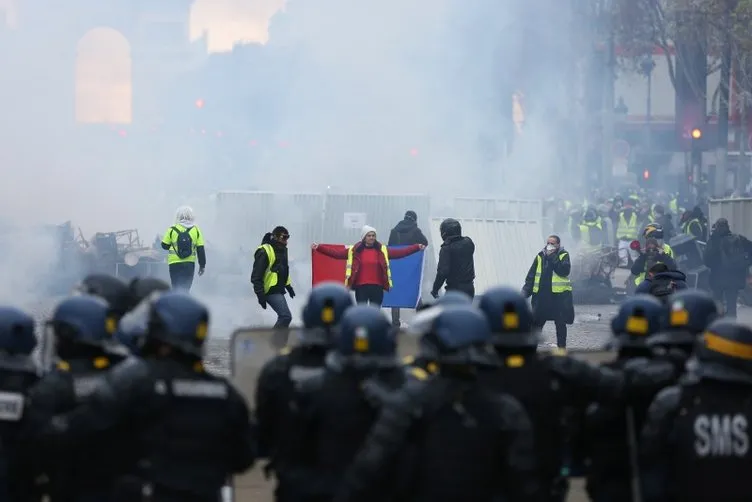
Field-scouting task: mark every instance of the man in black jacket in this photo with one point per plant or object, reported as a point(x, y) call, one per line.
point(456, 264)
point(405, 233)
point(271, 275)
point(728, 257)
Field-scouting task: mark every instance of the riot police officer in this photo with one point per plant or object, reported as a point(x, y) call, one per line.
point(695, 444)
point(454, 438)
point(611, 429)
point(18, 373)
point(335, 413)
point(687, 314)
point(552, 388)
point(81, 330)
point(186, 430)
point(114, 291)
point(133, 325)
point(417, 365)
point(275, 390)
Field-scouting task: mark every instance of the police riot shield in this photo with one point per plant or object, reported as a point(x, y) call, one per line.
point(250, 350)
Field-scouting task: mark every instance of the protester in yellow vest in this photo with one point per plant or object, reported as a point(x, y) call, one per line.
point(184, 242)
point(548, 283)
point(653, 253)
point(271, 275)
point(367, 270)
point(589, 232)
point(627, 230)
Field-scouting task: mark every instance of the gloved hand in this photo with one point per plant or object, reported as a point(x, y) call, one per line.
point(435, 294)
point(290, 291)
point(262, 300)
point(201, 271)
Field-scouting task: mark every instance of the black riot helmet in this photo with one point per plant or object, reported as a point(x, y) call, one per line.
point(142, 287)
point(455, 335)
point(111, 289)
point(725, 352)
point(451, 297)
point(638, 318)
point(686, 314)
point(323, 312)
point(450, 228)
point(178, 320)
point(366, 341)
point(510, 318)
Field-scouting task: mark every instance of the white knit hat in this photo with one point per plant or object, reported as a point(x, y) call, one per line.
point(365, 230)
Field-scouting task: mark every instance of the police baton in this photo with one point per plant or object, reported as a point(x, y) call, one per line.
point(633, 460)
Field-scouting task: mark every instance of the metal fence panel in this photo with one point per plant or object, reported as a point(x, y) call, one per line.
point(242, 219)
point(738, 212)
point(501, 209)
point(345, 214)
point(504, 249)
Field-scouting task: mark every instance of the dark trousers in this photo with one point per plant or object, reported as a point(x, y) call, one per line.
point(468, 289)
point(181, 275)
point(728, 298)
point(370, 294)
point(396, 317)
point(561, 333)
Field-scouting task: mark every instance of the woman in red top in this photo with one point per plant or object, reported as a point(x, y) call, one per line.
point(369, 274)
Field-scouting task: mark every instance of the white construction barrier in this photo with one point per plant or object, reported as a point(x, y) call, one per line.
point(738, 212)
point(504, 249)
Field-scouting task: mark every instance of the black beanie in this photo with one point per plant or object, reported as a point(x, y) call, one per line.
point(410, 215)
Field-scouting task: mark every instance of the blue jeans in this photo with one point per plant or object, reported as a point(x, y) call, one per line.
point(278, 303)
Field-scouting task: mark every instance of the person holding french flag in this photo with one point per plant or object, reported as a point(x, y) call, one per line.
point(367, 270)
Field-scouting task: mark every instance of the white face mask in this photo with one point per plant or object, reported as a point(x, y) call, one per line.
point(550, 247)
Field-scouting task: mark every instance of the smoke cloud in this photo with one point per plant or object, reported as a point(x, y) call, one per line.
point(383, 97)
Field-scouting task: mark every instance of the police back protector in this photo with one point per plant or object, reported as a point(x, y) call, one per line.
point(713, 459)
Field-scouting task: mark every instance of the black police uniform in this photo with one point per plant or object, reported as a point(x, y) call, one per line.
point(687, 314)
point(553, 389)
point(187, 430)
point(456, 262)
point(454, 438)
point(696, 444)
point(82, 327)
point(610, 432)
point(281, 376)
point(17, 374)
point(335, 413)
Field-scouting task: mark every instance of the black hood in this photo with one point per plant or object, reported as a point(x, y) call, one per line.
point(674, 275)
point(267, 239)
point(406, 226)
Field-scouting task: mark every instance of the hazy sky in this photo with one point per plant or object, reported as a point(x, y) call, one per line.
point(227, 21)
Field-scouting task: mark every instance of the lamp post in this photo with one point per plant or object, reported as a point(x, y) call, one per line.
point(647, 65)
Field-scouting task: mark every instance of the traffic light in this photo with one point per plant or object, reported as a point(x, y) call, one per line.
point(646, 174)
point(696, 134)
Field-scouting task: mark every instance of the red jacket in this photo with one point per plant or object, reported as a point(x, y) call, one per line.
point(340, 253)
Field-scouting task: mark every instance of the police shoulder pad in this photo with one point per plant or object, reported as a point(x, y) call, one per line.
point(419, 373)
point(285, 351)
point(63, 366)
point(408, 360)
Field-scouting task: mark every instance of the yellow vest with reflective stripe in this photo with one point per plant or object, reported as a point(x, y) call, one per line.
point(348, 266)
point(271, 278)
point(585, 231)
point(673, 206)
point(627, 229)
point(559, 284)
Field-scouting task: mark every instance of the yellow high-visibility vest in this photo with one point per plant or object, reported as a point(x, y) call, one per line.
point(171, 238)
point(348, 266)
point(585, 231)
point(559, 284)
point(667, 250)
point(271, 278)
point(627, 229)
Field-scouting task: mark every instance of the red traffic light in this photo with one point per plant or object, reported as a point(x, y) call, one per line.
point(646, 174)
point(199, 103)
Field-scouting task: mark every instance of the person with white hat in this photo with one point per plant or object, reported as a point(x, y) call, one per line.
point(367, 271)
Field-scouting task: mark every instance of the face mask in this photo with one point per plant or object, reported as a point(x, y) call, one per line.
point(550, 247)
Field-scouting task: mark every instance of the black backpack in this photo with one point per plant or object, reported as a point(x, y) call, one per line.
point(662, 288)
point(184, 243)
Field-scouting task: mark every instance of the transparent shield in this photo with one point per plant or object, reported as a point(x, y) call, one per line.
point(250, 350)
